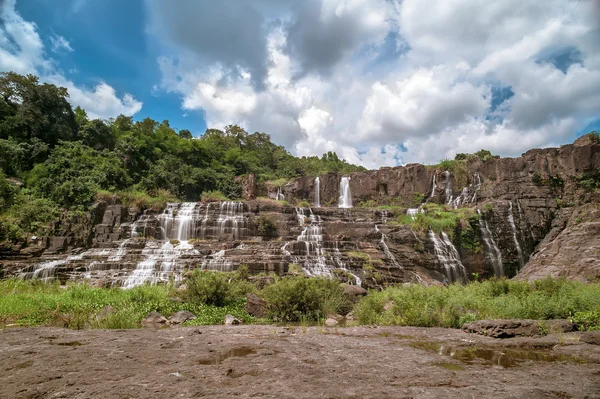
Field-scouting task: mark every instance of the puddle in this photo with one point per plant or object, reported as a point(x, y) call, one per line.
point(492, 357)
point(236, 352)
point(450, 366)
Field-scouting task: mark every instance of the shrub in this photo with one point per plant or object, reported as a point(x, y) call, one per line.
point(300, 298)
point(266, 226)
point(586, 321)
point(304, 204)
point(210, 288)
point(595, 137)
point(537, 179)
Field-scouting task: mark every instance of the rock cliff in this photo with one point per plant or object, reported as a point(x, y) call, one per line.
point(531, 216)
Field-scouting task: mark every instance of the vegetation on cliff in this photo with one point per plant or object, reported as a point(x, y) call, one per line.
point(51, 152)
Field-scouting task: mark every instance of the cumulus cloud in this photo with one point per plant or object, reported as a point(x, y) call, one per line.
point(384, 82)
point(22, 51)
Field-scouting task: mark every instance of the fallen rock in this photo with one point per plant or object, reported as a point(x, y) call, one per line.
point(232, 320)
point(518, 327)
point(154, 320)
point(181, 317)
point(350, 316)
point(330, 322)
point(256, 306)
point(354, 291)
point(591, 337)
point(389, 305)
point(182, 287)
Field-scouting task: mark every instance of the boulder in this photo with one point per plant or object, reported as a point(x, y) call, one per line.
point(256, 306)
point(154, 320)
point(354, 292)
point(350, 316)
point(591, 337)
point(330, 322)
point(517, 327)
point(232, 320)
point(181, 317)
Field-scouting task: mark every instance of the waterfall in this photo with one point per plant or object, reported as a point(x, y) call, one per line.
point(159, 263)
point(232, 220)
point(448, 187)
point(492, 251)
point(44, 271)
point(337, 255)
point(413, 212)
point(218, 262)
point(433, 184)
point(345, 194)
point(279, 196)
point(178, 221)
point(387, 251)
point(513, 227)
point(300, 216)
point(449, 258)
point(468, 194)
point(317, 192)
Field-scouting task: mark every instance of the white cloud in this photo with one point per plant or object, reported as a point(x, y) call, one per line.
point(59, 43)
point(22, 51)
point(334, 82)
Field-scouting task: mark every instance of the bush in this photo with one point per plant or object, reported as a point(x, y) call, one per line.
point(586, 321)
point(210, 288)
point(266, 226)
point(300, 298)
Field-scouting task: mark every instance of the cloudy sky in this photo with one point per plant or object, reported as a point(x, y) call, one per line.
point(381, 82)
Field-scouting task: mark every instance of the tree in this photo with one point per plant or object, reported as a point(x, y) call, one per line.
point(34, 110)
point(97, 135)
point(185, 134)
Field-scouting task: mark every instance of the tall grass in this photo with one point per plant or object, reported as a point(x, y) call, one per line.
point(32, 303)
point(415, 305)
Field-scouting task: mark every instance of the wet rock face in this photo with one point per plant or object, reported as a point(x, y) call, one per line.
point(534, 219)
point(518, 328)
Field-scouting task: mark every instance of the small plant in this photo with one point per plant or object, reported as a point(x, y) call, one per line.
point(356, 255)
point(418, 198)
point(586, 321)
point(174, 242)
point(595, 137)
point(303, 204)
point(537, 179)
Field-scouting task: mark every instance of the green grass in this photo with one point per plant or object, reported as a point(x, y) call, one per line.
point(139, 199)
point(437, 218)
point(416, 305)
point(34, 303)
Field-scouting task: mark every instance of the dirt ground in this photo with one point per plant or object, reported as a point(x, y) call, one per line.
point(288, 362)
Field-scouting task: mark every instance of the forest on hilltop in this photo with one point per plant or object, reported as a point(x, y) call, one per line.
point(54, 159)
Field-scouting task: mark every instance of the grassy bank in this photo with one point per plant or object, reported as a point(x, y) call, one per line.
point(210, 296)
point(415, 305)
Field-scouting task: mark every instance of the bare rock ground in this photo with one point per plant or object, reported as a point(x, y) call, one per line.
point(293, 362)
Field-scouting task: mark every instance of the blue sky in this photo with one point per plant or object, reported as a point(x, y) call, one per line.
point(110, 44)
point(381, 82)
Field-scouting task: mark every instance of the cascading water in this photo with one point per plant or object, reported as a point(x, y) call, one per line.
point(448, 187)
point(345, 200)
point(413, 212)
point(317, 192)
point(433, 185)
point(387, 251)
point(448, 257)
point(337, 256)
point(492, 251)
point(300, 216)
point(468, 194)
point(513, 227)
point(218, 262)
point(232, 220)
point(279, 196)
